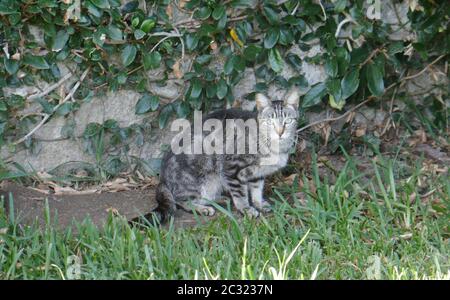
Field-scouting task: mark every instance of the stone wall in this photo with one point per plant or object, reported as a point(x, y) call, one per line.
point(54, 150)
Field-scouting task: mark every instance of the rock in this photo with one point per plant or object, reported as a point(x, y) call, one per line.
point(119, 105)
point(52, 154)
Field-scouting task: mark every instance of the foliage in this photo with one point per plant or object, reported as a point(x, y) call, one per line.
point(350, 230)
point(120, 43)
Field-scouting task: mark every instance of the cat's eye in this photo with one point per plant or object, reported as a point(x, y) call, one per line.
point(289, 120)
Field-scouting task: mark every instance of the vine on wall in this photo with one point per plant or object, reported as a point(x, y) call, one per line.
point(114, 44)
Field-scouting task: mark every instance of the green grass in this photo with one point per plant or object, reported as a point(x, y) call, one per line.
point(353, 229)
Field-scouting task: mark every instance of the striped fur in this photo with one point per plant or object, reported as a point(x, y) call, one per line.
point(191, 181)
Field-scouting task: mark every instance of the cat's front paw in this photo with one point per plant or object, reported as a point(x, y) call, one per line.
point(252, 212)
point(263, 206)
point(207, 211)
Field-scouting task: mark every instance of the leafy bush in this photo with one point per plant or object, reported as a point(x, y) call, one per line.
point(120, 42)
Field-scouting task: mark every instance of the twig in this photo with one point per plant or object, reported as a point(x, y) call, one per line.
point(160, 41)
point(426, 68)
point(428, 194)
point(181, 41)
point(50, 88)
point(336, 118)
point(184, 23)
point(47, 116)
point(168, 35)
point(341, 24)
point(163, 33)
point(295, 8)
point(180, 8)
point(374, 52)
point(323, 10)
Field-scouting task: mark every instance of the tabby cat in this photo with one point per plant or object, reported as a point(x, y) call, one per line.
point(190, 181)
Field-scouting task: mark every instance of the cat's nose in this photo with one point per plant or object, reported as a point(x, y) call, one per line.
point(280, 130)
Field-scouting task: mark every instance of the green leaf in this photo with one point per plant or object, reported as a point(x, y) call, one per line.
point(16, 101)
point(234, 63)
point(182, 109)
point(340, 5)
point(46, 106)
point(98, 37)
point(334, 88)
point(275, 60)
point(164, 115)
point(7, 8)
point(135, 22)
point(37, 62)
point(191, 41)
point(92, 129)
point(239, 63)
point(395, 48)
point(336, 104)
point(64, 109)
point(343, 59)
point(60, 40)
point(154, 102)
point(139, 34)
point(299, 81)
point(114, 32)
point(271, 38)
point(261, 87)
point(148, 25)
point(128, 55)
point(211, 90)
point(359, 55)
point(11, 65)
point(93, 10)
point(196, 88)
point(146, 103)
point(3, 106)
point(271, 15)
point(111, 124)
point(152, 60)
point(130, 7)
point(203, 13)
point(295, 61)
point(203, 59)
point(222, 22)
point(314, 95)
point(218, 12)
point(350, 83)
point(101, 3)
point(331, 66)
point(222, 89)
point(229, 65)
point(286, 37)
point(375, 81)
point(251, 52)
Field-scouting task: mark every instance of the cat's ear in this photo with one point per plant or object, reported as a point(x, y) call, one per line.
point(292, 98)
point(262, 101)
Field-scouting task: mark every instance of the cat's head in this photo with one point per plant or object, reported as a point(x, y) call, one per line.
point(278, 119)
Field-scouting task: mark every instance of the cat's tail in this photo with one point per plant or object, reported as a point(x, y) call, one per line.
point(166, 203)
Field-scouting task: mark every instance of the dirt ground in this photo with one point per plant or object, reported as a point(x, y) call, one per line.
point(29, 205)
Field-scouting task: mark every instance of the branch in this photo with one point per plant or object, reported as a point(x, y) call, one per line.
point(374, 52)
point(47, 116)
point(371, 97)
point(336, 118)
point(341, 24)
point(426, 68)
point(50, 88)
point(168, 35)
